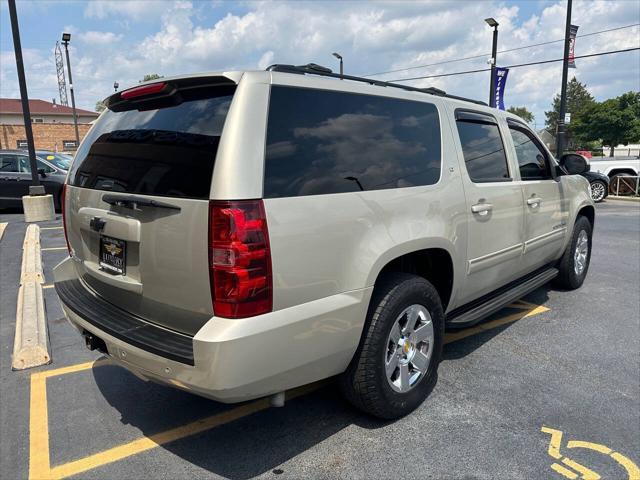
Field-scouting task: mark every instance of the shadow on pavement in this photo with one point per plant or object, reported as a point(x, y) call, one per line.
point(242, 449)
point(262, 441)
point(461, 348)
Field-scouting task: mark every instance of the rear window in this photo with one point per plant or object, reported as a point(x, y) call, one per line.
point(322, 142)
point(165, 152)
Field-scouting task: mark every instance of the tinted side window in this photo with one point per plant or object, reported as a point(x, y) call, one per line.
point(8, 163)
point(532, 159)
point(482, 147)
point(322, 142)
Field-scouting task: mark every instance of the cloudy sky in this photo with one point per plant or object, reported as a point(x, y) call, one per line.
point(124, 40)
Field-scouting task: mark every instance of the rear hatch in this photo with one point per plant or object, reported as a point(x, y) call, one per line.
point(137, 200)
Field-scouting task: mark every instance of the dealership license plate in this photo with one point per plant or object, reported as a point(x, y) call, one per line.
point(113, 255)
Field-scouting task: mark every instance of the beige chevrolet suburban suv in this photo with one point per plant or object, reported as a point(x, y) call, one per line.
point(238, 234)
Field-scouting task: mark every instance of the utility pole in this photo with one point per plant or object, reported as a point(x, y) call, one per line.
point(562, 128)
point(35, 188)
point(494, 53)
point(65, 41)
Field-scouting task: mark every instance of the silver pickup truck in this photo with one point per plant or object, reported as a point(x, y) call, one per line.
point(238, 234)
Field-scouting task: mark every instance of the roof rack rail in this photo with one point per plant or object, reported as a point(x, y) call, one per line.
point(314, 69)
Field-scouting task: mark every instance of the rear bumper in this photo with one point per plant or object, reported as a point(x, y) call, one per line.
point(236, 360)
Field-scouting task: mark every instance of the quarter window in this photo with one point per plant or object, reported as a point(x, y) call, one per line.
point(482, 147)
point(323, 142)
point(8, 163)
point(532, 160)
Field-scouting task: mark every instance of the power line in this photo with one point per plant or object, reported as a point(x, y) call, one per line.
point(501, 51)
point(517, 65)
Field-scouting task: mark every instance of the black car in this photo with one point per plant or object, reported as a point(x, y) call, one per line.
point(15, 176)
point(598, 185)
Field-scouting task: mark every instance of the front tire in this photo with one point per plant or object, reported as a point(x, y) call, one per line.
point(574, 264)
point(395, 366)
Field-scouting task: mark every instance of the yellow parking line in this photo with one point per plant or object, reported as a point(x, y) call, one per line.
point(483, 327)
point(2, 228)
point(193, 428)
point(38, 429)
point(39, 461)
point(53, 248)
point(51, 228)
point(51, 285)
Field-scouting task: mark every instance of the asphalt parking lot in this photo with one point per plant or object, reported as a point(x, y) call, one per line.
point(547, 388)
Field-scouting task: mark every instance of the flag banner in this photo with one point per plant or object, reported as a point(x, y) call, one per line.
point(572, 45)
point(500, 82)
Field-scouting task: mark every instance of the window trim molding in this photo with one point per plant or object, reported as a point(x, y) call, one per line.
point(482, 118)
point(440, 113)
point(523, 128)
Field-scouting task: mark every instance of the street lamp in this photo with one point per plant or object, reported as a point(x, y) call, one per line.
point(66, 38)
point(115, 86)
point(494, 51)
point(339, 57)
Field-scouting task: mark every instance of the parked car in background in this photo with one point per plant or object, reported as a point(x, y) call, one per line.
point(58, 160)
point(239, 234)
point(616, 168)
point(598, 185)
point(585, 153)
point(15, 176)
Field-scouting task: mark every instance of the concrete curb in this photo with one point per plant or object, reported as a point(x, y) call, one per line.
point(31, 257)
point(623, 199)
point(30, 346)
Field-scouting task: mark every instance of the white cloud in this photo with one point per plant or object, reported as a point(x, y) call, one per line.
point(372, 37)
point(99, 38)
point(131, 9)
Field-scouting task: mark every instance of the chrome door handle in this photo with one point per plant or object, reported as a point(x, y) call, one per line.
point(534, 202)
point(481, 208)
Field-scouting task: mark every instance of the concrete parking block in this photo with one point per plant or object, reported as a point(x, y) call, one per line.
point(30, 346)
point(31, 256)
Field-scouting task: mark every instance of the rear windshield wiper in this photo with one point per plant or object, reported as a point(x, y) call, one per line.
point(133, 202)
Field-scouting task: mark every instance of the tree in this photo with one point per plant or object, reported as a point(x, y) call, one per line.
point(522, 112)
point(100, 106)
point(615, 121)
point(150, 76)
point(578, 99)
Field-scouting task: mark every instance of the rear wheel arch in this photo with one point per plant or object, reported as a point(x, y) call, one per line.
point(433, 264)
point(621, 171)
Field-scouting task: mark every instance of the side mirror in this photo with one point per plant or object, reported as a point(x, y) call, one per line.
point(574, 163)
point(42, 173)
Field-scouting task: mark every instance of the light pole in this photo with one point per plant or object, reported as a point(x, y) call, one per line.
point(562, 128)
point(115, 86)
point(494, 52)
point(36, 189)
point(66, 37)
point(339, 57)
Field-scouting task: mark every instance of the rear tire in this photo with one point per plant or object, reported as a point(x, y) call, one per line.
point(574, 263)
point(401, 345)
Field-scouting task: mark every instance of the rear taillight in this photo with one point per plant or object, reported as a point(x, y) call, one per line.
point(63, 200)
point(239, 259)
